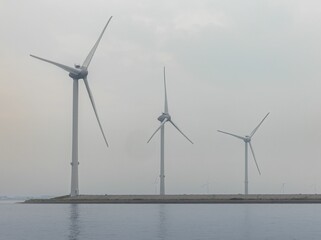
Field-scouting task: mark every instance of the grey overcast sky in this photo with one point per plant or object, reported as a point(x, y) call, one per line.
point(228, 63)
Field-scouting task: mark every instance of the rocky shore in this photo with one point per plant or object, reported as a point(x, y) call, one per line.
point(182, 199)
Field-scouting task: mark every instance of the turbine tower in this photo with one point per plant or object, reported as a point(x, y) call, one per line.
point(247, 140)
point(76, 73)
point(164, 118)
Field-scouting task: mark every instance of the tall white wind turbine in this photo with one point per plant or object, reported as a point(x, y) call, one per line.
point(164, 118)
point(76, 73)
point(247, 140)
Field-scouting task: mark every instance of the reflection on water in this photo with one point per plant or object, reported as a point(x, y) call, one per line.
point(246, 222)
point(74, 227)
point(162, 229)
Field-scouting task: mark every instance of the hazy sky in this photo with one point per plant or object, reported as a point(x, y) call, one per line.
point(228, 63)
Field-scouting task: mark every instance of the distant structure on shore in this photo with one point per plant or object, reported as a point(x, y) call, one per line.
point(165, 117)
point(76, 73)
point(247, 140)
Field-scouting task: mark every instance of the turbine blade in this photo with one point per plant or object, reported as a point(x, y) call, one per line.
point(93, 50)
point(166, 103)
point(94, 107)
point(231, 134)
point(257, 166)
point(64, 67)
point(255, 129)
point(162, 124)
point(180, 131)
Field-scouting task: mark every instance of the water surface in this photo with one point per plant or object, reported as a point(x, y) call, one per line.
point(159, 221)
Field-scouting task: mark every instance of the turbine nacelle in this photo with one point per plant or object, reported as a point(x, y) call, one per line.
point(77, 65)
point(81, 73)
point(164, 116)
point(247, 139)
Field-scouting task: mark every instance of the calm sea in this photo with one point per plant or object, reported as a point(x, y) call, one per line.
point(159, 221)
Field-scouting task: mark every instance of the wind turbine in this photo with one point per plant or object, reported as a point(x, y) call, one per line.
point(76, 73)
point(164, 118)
point(247, 140)
point(207, 186)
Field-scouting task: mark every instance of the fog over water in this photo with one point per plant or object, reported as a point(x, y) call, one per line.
point(228, 63)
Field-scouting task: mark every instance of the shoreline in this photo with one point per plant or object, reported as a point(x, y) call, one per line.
point(183, 199)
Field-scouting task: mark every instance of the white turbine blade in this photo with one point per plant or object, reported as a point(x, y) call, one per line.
point(231, 134)
point(64, 67)
point(255, 129)
point(257, 166)
point(166, 103)
point(180, 131)
point(162, 124)
point(94, 107)
point(93, 50)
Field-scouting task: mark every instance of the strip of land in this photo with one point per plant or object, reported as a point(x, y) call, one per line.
point(183, 199)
